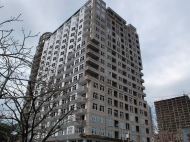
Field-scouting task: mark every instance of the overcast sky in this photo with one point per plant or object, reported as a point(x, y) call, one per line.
point(163, 28)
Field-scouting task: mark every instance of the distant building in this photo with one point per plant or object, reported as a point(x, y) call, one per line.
point(185, 134)
point(151, 120)
point(173, 114)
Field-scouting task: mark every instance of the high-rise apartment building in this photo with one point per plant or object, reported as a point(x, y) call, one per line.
point(173, 114)
point(101, 53)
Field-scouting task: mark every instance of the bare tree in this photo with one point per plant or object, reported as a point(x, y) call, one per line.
point(39, 114)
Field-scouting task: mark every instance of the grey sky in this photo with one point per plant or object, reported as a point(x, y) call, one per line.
point(163, 28)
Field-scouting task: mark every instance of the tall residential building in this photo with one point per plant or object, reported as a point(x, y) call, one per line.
point(173, 114)
point(101, 53)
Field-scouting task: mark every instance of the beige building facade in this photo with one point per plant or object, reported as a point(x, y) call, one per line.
point(101, 52)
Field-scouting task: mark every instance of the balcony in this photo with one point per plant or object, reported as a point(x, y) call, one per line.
point(59, 76)
point(71, 55)
point(142, 80)
point(67, 78)
point(86, 33)
point(91, 69)
point(92, 53)
point(79, 111)
point(81, 99)
point(69, 63)
point(87, 15)
point(143, 88)
point(142, 74)
point(68, 70)
point(86, 26)
point(93, 47)
point(92, 62)
point(88, 9)
point(87, 21)
point(61, 68)
point(89, 77)
point(82, 90)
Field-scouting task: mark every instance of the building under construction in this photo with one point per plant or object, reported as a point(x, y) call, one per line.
point(173, 114)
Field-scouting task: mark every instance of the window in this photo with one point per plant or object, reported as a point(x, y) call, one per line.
point(95, 95)
point(78, 46)
point(132, 127)
point(122, 125)
point(81, 66)
point(109, 101)
point(80, 75)
point(95, 85)
point(97, 29)
point(140, 103)
point(101, 132)
point(77, 61)
point(83, 50)
point(109, 111)
point(102, 108)
point(101, 119)
point(79, 39)
point(131, 109)
point(102, 61)
point(94, 129)
point(82, 58)
point(61, 59)
point(74, 87)
point(110, 133)
point(62, 47)
point(76, 69)
point(130, 99)
point(102, 53)
point(109, 91)
point(102, 46)
point(121, 114)
point(71, 46)
point(121, 105)
point(109, 65)
point(80, 26)
point(73, 29)
point(121, 96)
point(77, 54)
point(120, 87)
point(102, 78)
point(141, 112)
point(101, 88)
point(110, 122)
point(94, 117)
point(94, 106)
point(72, 40)
point(72, 34)
point(101, 98)
point(83, 43)
point(70, 130)
point(102, 39)
point(75, 78)
point(79, 33)
point(97, 36)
